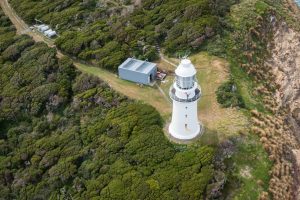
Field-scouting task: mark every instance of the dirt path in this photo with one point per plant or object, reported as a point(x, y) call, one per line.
point(149, 95)
point(211, 73)
point(20, 25)
point(167, 61)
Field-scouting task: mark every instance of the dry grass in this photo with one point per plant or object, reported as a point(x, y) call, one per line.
point(279, 142)
point(165, 66)
point(146, 94)
point(212, 72)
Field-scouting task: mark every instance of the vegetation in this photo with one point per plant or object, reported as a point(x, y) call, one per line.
point(228, 96)
point(248, 50)
point(108, 38)
point(67, 135)
point(279, 141)
point(241, 35)
point(248, 176)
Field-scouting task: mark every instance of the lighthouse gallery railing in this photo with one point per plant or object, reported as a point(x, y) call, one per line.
point(173, 96)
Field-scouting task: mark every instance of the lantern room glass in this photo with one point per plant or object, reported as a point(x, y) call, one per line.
point(185, 83)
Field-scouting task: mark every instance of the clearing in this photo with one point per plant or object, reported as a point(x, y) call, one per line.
point(212, 72)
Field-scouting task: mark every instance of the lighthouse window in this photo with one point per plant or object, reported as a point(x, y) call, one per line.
point(185, 116)
point(186, 108)
point(185, 82)
point(186, 126)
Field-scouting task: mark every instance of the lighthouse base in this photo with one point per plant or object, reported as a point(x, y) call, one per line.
point(187, 134)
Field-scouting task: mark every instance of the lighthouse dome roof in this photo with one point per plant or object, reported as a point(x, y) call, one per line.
point(185, 69)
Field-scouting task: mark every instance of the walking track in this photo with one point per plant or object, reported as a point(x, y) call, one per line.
point(153, 96)
point(225, 122)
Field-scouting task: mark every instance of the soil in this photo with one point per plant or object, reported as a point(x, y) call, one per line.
point(246, 172)
point(224, 121)
point(285, 62)
point(146, 94)
point(297, 171)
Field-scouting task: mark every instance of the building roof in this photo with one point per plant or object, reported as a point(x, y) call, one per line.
point(40, 26)
point(48, 31)
point(185, 69)
point(52, 33)
point(138, 65)
point(44, 28)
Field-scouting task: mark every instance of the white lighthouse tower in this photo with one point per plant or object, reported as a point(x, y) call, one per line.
point(185, 94)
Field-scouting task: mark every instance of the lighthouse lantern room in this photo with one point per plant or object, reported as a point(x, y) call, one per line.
point(185, 94)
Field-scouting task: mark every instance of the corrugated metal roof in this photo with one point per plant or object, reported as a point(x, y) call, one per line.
point(138, 65)
point(50, 30)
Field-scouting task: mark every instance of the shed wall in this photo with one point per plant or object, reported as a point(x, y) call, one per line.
point(133, 76)
point(153, 73)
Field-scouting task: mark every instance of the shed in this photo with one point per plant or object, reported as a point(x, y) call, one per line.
point(47, 32)
point(138, 71)
point(51, 34)
point(40, 26)
point(44, 28)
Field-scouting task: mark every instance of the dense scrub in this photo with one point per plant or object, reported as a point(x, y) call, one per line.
point(250, 46)
point(246, 33)
point(68, 135)
point(228, 96)
point(247, 166)
point(96, 32)
point(245, 45)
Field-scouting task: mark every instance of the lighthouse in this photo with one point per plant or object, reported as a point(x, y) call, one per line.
point(185, 94)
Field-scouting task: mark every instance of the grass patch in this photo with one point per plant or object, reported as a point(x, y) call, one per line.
point(209, 137)
point(228, 96)
point(248, 170)
point(150, 95)
point(261, 7)
point(211, 73)
point(245, 87)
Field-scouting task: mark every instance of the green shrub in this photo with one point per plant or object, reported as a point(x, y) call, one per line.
point(96, 31)
point(68, 135)
point(228, 95)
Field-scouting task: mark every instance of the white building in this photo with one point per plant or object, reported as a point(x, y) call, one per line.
point(51, 34)
point(46, 32)
point(43, 28)
point(138, 71)
point(185, 94)
point(40, 26)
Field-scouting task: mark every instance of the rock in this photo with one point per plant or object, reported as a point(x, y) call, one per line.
point(215, 189)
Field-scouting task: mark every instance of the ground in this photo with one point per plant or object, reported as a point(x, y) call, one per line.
point(220, 123)
point(150, 95)
point(212, 71)
point(250, 170)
